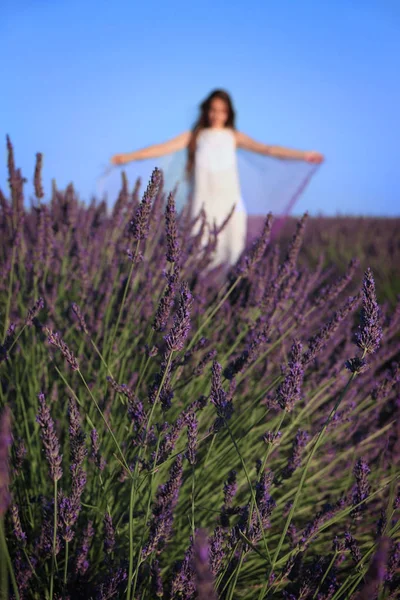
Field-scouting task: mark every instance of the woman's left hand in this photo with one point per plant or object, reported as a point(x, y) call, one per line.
point(314, 157)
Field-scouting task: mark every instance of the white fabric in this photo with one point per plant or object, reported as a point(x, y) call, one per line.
point(217, 189)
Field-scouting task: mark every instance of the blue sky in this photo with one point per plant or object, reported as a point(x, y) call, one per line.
point(83, 80)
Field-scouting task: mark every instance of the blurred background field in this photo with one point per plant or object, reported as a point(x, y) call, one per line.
point(375, 241)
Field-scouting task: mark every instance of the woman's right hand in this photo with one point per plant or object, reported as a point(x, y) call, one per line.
point(119, 159)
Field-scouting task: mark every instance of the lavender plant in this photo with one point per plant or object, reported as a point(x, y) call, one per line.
point(170, 430)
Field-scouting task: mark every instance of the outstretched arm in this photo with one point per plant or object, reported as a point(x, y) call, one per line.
point(247, 143)
point(177, 143)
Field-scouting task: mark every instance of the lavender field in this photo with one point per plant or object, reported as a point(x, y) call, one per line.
point(168, 431)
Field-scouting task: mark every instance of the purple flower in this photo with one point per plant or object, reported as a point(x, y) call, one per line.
point(175, 340)
point(166, 302)
point(19, 534)
point(37, 180)
point(289, 391)
point(192, 426)
point(81, 319)
point(361, 492)
point(319, 341)
point(330, 292)
point(162, 519)
point(217, 554)
point(230, 488)
point(248, 262)
point(34, 311)
point(369, 334)
point(272, 438)
point(171, 437)
point(173, 246)
point(139, 226)
point(67, 515)
point(183, 582)
point(23, 572)
point(352, 545)
point(156, 580)
point(82, 562)
point(295, 458)
point(109, 588)
point(55, 340)
point(96, 456)
point(109, 534)
point(356, 365)
point(49, 439)
point(5, 444)
point(219, 397)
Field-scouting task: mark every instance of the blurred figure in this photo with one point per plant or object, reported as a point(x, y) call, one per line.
point(212, 168)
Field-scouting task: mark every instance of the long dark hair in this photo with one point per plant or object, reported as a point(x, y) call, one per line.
point(202, 122)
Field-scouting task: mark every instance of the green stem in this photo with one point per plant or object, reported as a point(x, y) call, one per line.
point(66, 563)
point(107, 425)
point(325, 574)
point(251, 488)
point(123, 299)
point(54, 559)
point(3, 567)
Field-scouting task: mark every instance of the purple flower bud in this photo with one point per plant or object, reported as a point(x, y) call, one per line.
point(139, 226)
point(369, 334)
point(361, 472)
point(81, 319)
point(217, 554)
point(219, 397)
point(34, 311)
point(55, 340)
point(109, 534)
point(230, 489)
point(166, 302)
point(248, 262)
point(166, 501)
point(96, 456)
point(39, 193)
point(319, 341)
point(173, 246)
point(295, 458)
point(175, 340)
point(82, 562)
point(352, 545)
point(156, 580)
point(192, 426)
point(288, 392)
point(49, 439)
point(20, 535)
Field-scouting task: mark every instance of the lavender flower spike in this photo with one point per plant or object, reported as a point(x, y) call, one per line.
point(361, 472)
point(139, 226)
point(289, 390)
point(369, 334)
point(173, 246)
point(55, 340)
point(5, 443)
point(180, 330)
point(49, 438)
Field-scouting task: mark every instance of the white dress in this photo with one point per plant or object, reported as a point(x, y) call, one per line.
point(217, 189)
